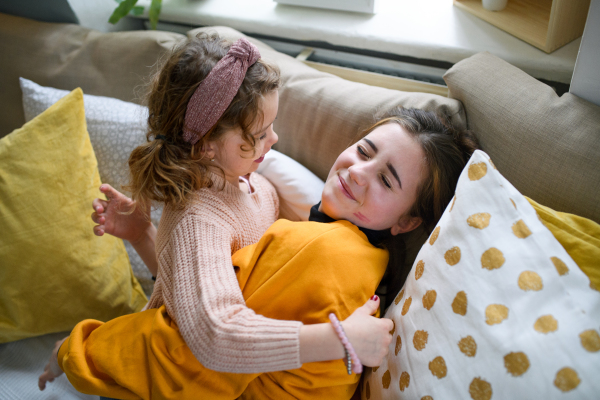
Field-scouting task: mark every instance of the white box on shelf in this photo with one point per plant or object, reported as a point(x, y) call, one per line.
point(362, 6)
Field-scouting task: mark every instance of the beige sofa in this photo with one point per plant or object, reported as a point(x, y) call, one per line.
point(547, 147)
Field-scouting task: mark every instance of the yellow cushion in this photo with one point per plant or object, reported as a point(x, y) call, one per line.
point(579, 236)
point(54, 272)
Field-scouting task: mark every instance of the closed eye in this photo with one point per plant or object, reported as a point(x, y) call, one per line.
point(362, 151)
point(386, 182)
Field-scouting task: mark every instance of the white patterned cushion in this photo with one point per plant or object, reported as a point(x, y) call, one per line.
point(298, 188)
point(115, 127)
point(494, 307)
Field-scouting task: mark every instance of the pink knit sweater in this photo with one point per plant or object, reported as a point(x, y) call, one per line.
point(197, 283)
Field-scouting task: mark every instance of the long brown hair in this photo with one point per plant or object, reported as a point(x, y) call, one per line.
point(168, 169)
point(447, 150)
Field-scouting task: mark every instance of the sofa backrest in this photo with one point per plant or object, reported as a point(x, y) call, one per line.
point(66, 56)
point(547, 146)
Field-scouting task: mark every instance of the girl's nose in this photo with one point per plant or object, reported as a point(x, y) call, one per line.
point(273, 138)
point(357, 174)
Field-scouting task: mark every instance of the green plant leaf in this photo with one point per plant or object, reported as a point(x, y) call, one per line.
point(155, 7)
point(137, 10)
point(122, 10)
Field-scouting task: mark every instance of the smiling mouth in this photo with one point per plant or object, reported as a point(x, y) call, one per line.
point(345, 189)
point(259, 160)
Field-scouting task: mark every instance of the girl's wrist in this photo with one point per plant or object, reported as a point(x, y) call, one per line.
point(319, 342)
point(147, 235)
point(352, 360)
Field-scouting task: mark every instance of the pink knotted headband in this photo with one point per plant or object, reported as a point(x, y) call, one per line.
point(217, 90)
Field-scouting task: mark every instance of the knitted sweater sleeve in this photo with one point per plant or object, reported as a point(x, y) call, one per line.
point(210, 311)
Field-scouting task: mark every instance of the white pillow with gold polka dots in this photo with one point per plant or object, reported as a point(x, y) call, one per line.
point(494, 307)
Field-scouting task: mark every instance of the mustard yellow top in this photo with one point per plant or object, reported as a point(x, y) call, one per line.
point(297, 271)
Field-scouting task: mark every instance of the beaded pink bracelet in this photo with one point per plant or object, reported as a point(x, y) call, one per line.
point(352, 361)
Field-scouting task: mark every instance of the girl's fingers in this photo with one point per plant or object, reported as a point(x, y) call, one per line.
point(108, 191)
point(99, 219)
point(370, 307)
point(99, 205)
point(390, 324)
point(98, 231)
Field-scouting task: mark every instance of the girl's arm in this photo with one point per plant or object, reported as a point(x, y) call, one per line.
point(135, 227)
point(369, 336)
point(203, 296)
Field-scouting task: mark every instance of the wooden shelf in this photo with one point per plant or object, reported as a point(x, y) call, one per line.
point(545, 24)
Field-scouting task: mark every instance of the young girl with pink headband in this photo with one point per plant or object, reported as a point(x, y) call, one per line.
point(211, 113)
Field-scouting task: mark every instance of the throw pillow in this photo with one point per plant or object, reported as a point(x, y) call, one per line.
point(115, 128)
point(494, 307)
point(298, 188)
point(55, 272)
point(579, 236)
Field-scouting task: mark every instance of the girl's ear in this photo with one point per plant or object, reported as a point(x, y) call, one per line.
point(209, 149)
point(406, 224)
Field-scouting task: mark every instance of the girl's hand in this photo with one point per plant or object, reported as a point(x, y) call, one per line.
point(51, 370)
point(369, 336)
point(108, 214)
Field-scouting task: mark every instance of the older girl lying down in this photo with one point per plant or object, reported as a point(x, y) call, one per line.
point(400, 175)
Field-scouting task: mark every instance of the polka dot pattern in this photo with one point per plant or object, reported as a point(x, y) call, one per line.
point(492, 258)
point(404, 381)
point(560, 266)
point(480, 389)
point(495, 314)
point(546, 324)
point(516, 363)
point(468, 346)
point(479, 220)
point(452, 256)
point(429, 299)
point(590, 340)
point(419, 270)
point(493, 307)
point(438, 367)
point(420, 340)
point(529, 280)
point(459, 304)
point(567, 379)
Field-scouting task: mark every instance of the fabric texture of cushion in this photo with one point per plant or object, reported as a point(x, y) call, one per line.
point(55, 272)
point(579, 236)
point(547, 146)
point(115, 128)
point(494, 306)
point(66, 56)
